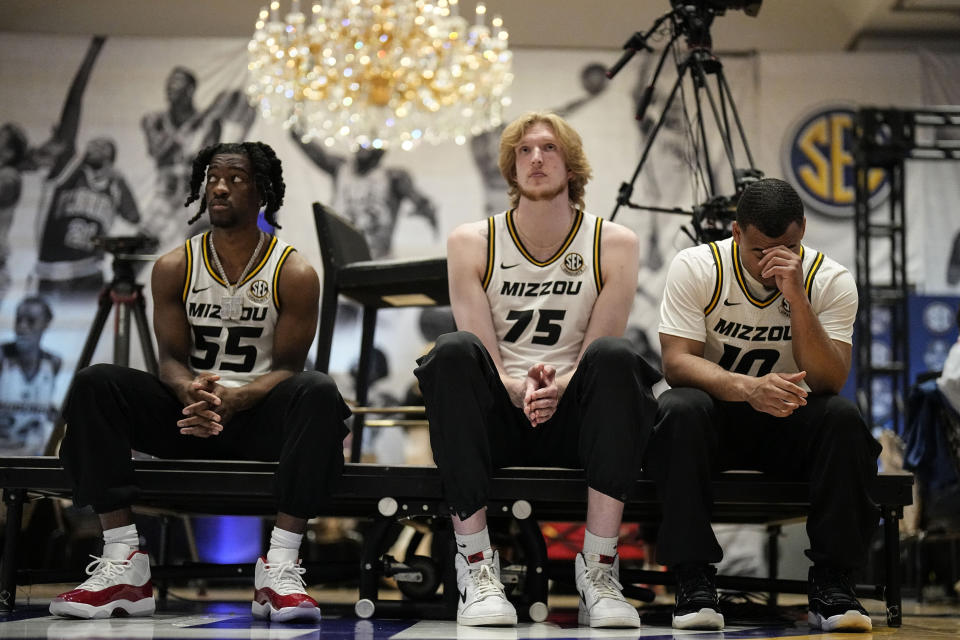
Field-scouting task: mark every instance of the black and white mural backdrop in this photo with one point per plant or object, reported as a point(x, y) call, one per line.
point(96, 136)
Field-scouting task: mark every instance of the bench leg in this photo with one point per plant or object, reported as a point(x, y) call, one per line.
point(163, 586)
point(919, 567)
point(443, 550)
point(371, 567)
point(535, 551)
point(363, 378)
point(773, 559)
point(13, 498)
point(891, 550)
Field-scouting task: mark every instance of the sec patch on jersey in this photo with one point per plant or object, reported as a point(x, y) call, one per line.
point(258, 291)
point(573, 264)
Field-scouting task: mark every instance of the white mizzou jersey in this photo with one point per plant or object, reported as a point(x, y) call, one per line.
point(541, 309)
point(237, 350)
point(745, 328)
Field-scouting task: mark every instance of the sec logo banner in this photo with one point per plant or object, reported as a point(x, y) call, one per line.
point(817, 160)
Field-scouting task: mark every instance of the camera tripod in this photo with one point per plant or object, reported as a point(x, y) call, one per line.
point(126, 294)
point(693, 23)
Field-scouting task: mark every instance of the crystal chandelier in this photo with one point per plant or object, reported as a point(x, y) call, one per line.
point(379, 73)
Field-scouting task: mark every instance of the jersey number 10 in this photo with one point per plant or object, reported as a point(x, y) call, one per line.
point(766, 357)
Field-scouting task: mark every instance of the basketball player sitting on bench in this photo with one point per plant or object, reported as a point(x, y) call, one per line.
point(537, 373)
point(235, 312)
point(756, 333)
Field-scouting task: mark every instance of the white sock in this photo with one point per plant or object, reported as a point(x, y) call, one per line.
point(284, 545)
point(472, 544)
point(600, 546)
point(120, 541)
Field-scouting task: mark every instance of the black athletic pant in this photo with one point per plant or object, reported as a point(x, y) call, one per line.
point(112, 409)
point(824, 442)
point(602, 424)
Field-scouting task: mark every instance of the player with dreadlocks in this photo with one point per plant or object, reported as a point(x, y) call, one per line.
point(267, 175)
point(235, 312)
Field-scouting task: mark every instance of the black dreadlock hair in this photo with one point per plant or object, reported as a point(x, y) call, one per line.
point(771, 206)
point(267, 175)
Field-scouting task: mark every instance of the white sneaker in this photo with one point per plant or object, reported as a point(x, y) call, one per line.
point(601, 602)
point(280, 593)
point(482, 600)
point(118, 585)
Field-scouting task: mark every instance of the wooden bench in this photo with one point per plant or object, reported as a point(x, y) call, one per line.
point(385, 494)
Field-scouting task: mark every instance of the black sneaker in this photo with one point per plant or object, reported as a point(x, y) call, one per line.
point(697, 604)
point(833, 607)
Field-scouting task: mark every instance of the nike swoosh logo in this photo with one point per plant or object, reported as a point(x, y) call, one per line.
point(504, 266)
point(463, 595)
point(195, 290)
point(727, 303)
point(462, 546)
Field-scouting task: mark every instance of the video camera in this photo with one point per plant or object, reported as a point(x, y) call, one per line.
point(694, 17)
point(719, 7)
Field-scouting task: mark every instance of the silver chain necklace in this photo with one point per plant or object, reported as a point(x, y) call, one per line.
point(231, 305)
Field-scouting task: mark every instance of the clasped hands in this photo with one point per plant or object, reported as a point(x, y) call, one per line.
point(210, 406)
point(537, 394)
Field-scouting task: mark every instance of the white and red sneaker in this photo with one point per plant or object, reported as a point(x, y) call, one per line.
point(482, 599)
point(117, 586)
point(280, 593)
